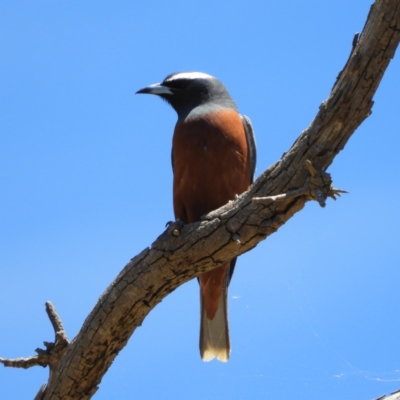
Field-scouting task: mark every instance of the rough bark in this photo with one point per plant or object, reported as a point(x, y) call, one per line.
point(180, 254)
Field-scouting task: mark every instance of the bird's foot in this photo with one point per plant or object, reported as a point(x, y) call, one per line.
point(236, 238)
point(175, 227)
point(235, 198)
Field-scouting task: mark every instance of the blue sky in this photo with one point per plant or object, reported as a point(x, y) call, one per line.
point(86, 183)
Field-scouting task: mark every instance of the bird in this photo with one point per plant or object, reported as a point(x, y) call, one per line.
point(213, 161)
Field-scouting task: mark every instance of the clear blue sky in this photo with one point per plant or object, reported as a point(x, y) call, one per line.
point(85, 184)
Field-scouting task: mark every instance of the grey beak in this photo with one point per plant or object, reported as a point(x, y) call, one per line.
point(157, 89)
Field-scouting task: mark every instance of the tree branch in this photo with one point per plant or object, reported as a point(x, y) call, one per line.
point(235, 228)
point(318, 187)
point(54, 351)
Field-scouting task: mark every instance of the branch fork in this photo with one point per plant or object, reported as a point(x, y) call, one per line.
point(54, 350)
point(319, 187)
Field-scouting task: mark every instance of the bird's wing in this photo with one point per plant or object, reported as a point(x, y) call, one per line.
point(251, 144)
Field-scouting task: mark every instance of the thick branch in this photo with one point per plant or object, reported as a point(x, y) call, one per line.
point(173, 260)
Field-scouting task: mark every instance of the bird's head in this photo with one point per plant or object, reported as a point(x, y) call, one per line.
point(192, 92)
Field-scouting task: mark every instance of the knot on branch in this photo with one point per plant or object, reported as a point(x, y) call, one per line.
point(54, 350)
point(318, 186)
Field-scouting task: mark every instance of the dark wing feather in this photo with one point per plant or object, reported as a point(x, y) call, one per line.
point(251, 144)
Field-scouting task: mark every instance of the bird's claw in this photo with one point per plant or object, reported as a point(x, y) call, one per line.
point(175, 227)
point(236, 238)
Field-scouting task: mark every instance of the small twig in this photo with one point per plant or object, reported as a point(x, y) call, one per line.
point(53, 352)
point(56, 322)
point(32, 361)
point(318, 187)
point(280, 197)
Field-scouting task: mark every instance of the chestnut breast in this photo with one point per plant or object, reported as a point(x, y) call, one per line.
point(210, 161)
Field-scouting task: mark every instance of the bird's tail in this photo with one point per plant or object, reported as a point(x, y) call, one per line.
point(214, 330)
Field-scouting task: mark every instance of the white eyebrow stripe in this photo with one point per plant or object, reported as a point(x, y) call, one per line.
point(189, 75)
